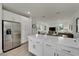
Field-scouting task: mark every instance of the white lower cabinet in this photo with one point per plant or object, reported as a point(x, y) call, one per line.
point(43, 48)
point(31, 46)
point(49, 49)
point(69, 51)
point(63, 53)
point(38, 48)
point(35, 47)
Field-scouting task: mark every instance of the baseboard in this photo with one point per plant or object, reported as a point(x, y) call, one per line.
point(24, 43)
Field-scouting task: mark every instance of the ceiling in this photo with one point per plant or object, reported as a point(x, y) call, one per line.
point(43, 10)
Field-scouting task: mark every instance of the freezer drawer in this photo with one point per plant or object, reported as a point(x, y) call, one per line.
point(16, 39)
point(7, 43)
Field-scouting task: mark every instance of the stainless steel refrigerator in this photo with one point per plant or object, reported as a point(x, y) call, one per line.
point(11, 35)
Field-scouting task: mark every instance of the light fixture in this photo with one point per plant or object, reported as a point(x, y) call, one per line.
point(28, 12)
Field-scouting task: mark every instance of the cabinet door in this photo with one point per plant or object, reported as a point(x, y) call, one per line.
point(48, 50)
point(39, 48)
point(35, 46)
point(31, 46)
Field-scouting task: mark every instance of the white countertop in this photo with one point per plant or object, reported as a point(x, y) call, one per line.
point(57, 40)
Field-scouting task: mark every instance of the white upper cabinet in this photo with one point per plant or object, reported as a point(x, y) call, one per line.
point(11, 16)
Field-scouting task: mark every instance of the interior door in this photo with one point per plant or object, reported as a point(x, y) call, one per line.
point(7, 37)
point(16, 34)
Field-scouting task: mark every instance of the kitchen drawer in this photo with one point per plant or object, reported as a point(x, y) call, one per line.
point(71, 51)
point(62, 53)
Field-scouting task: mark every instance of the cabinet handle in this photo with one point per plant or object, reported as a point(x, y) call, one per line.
point(66, 50)
point(48, 45)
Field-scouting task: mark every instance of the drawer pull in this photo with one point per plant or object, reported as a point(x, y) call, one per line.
point(48, 45)
point(66, 50)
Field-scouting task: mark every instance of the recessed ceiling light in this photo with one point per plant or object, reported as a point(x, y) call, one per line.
point(28, 12)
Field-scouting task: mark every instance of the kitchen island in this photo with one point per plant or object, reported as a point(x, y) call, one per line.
point(44, 45)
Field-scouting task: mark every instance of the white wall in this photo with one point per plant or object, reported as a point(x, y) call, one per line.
point(34, 29)
point(0, 28)
point(25, 23)
point(55, 23)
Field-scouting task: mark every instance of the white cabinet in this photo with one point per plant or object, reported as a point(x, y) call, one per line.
point(35, 47)
point(31, 46)
point(42, 47)
point(49, 49)
point(7, 15)
point(68, 51)
point(39, 48)
point(54, 50)
point(63, 53)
